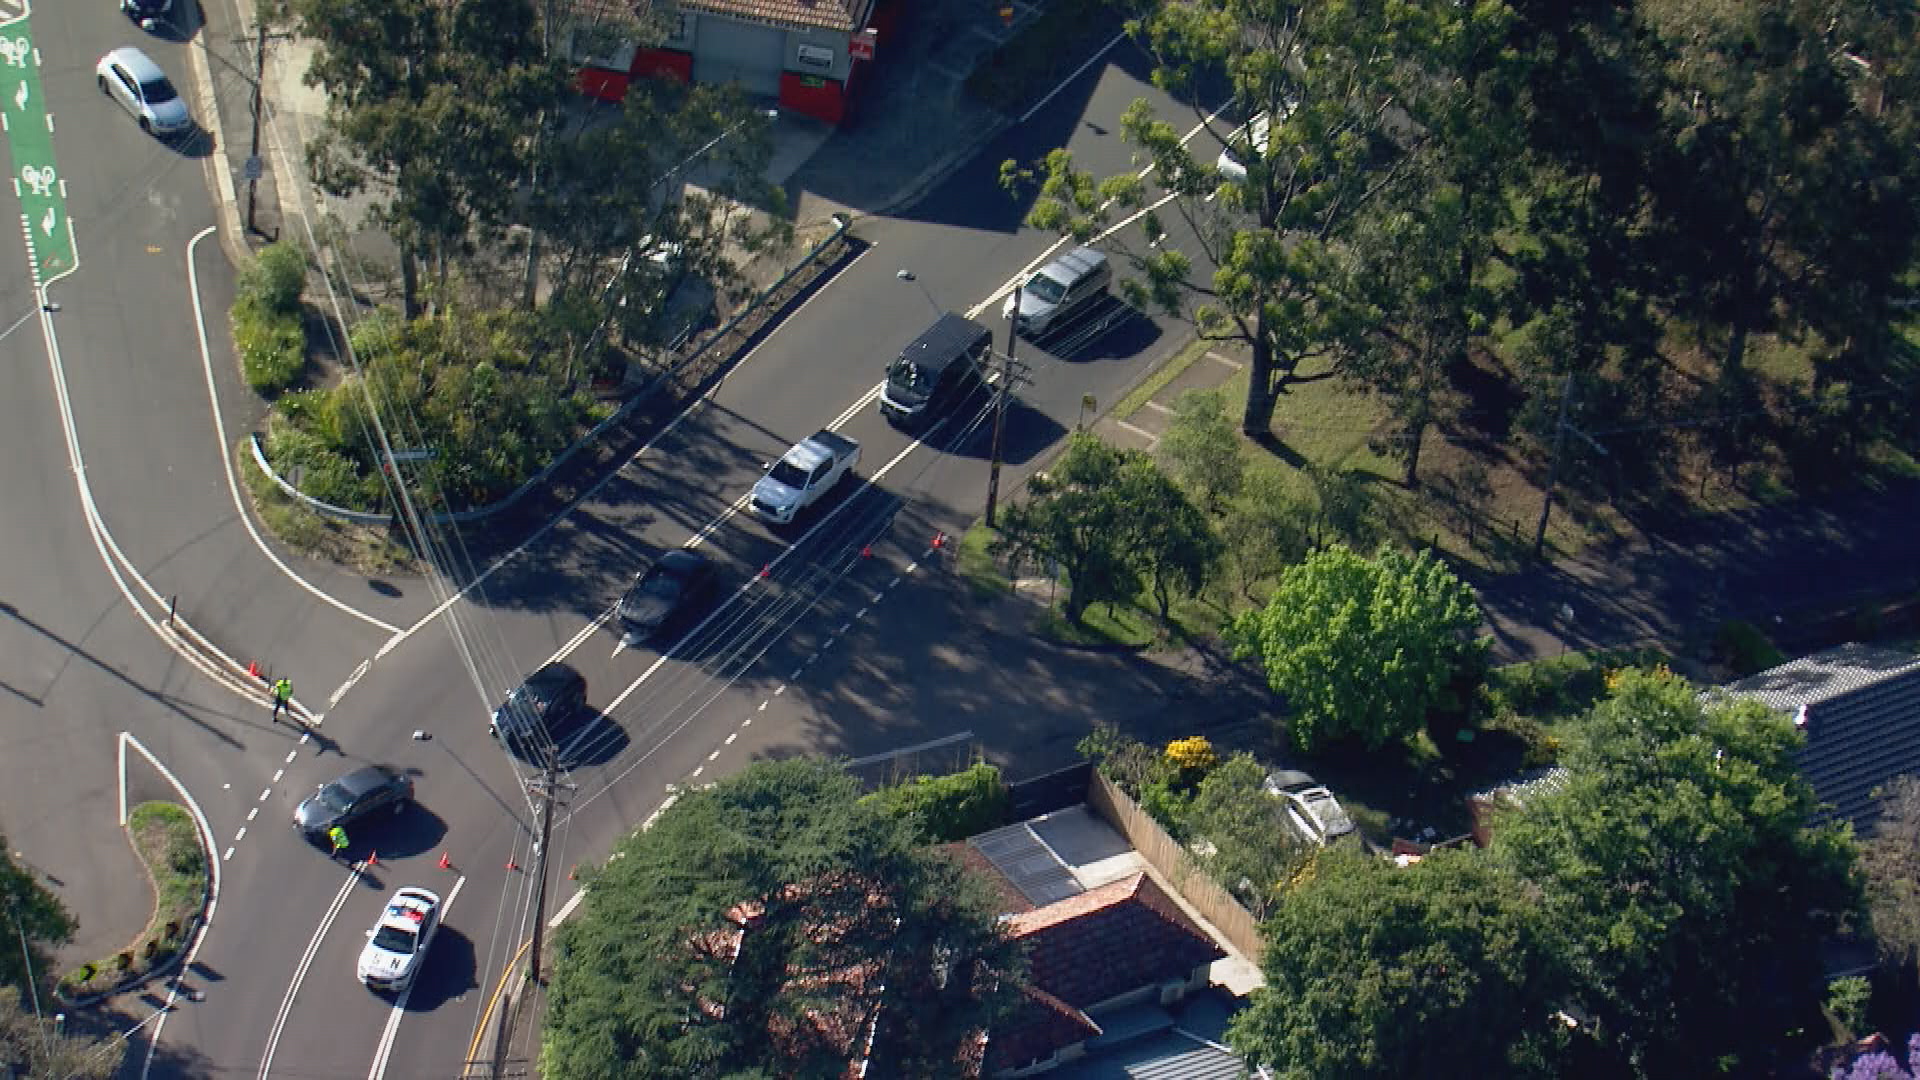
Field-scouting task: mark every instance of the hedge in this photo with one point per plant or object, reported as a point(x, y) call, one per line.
point(948, 808)
point(267, 326)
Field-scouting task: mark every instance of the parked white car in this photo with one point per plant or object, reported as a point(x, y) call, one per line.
point(131, 78)
point(1312, 809)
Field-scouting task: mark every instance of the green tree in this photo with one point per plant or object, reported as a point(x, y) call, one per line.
point(1440, 969)
point(408, 118)
point(1334, 82)
point(1687, 891)
point(1890, 863)
point(760, 926)
point(1172, 542)
point(1074, 517)
point(1249, 846)
point(31, 913)
point(32, 1049)
point(1362, 648)
point(1202, 448)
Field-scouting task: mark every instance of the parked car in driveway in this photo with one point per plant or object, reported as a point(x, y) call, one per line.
point(1314, 812)
point(666, 593)
point(541, 708)
point(396, 947)
point(351, 798)
point(131, 78)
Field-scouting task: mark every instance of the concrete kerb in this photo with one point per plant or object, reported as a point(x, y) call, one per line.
point(232, 238)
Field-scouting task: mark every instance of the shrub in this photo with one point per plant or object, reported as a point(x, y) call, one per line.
point(1195, 754)
point(1743, 649)
point(272, 346)
point(274, 279)
point(948, 808)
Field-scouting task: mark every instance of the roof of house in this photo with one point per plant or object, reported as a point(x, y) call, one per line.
point(1011, 900)
point(1039, 1027)
point(1107, 941)
point(1859, 707)
point(844, 15)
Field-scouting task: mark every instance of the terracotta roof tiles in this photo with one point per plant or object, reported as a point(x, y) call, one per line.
point(847, 16)
point(1108, 941)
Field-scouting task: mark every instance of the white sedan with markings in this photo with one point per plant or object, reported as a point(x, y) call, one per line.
point(397, 944)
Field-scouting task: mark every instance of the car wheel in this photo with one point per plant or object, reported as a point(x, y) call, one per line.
point(102, 80)
point(146, 125)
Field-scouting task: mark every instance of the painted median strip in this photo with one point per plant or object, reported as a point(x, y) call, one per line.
point(29, 127)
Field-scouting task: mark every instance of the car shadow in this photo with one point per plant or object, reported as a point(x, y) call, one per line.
point(197, 143)
point(598, 744)
point(452, 969)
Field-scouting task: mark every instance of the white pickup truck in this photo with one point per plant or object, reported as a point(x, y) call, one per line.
point(814, 466)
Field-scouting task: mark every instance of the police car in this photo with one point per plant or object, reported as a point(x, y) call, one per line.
point(397, 944)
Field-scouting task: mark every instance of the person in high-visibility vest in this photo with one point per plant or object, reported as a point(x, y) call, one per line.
point(282, 698)
point(338, 836)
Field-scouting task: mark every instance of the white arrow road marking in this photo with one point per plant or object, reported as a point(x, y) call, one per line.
point(49, 221)
point(400, 1005)
point(20, 97)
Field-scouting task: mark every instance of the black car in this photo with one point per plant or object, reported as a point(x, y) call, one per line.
point(351, 798)
point(148, 13)
point(541, 708)
point(676, 584)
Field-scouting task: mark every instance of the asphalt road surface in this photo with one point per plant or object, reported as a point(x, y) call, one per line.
point(272, 988)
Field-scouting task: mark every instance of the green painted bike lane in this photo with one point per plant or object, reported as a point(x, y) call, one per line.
point(29, 129)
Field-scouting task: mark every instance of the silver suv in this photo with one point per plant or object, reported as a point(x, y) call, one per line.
point(1314, 812)
point(1060, 286)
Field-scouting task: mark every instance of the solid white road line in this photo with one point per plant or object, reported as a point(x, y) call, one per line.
point(226, 450)
point(522, 547)
point(300, 971)
point(385, 1050)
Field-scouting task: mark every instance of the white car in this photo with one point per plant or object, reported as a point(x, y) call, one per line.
point(1315, 813)
point(397, 944)
point(1251, 137)
point(129, 77)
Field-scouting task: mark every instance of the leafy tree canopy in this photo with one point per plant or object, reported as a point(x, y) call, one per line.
point(1680, 875)
point(1890, 861)
point(30, 1048)
point(1362, 648)
point(760, 927)
point(1440, 969)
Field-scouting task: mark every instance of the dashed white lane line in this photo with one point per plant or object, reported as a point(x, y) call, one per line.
point(729, 741)
point(713, 756)
point(241, 835)
point(698, 769)
point(291, 754)
point(277, 774)
point(227, 854)
point(264, 792)
point(251, 814)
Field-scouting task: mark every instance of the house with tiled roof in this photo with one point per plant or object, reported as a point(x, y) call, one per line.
point(1104, 964)
point(805, 55)
point(1858, 707)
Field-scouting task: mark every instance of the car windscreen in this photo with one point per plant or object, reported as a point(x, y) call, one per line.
point(660, 583)
point(336, 798)
point(523, 700)
point(786, 472)
point(1046, 288)
point(908, 375)
point(157, 91)
point(395, 940)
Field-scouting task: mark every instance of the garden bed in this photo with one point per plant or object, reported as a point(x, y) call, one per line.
point(163, 834)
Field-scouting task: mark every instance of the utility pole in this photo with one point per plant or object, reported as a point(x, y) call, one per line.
point(254, 166)
point(1560, 430)
point(1000, 405)
point(548, 788)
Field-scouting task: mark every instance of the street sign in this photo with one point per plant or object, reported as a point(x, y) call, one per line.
point(254, 169)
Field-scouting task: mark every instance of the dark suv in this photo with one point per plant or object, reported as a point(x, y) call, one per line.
point(540, 708)
point(351, 798)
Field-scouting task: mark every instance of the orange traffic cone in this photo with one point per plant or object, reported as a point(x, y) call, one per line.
point(511, 865)
point(373, 858)
point(574, 874)
point(445, 863)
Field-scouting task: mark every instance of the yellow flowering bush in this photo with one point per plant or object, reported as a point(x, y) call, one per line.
point(1194, 753)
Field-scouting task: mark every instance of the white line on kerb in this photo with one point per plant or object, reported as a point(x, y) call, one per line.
point(226, 448)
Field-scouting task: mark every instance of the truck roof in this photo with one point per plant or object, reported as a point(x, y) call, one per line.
point(947, 340)
point(821, 446)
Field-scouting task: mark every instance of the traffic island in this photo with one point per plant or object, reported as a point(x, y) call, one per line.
point(163, 834)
